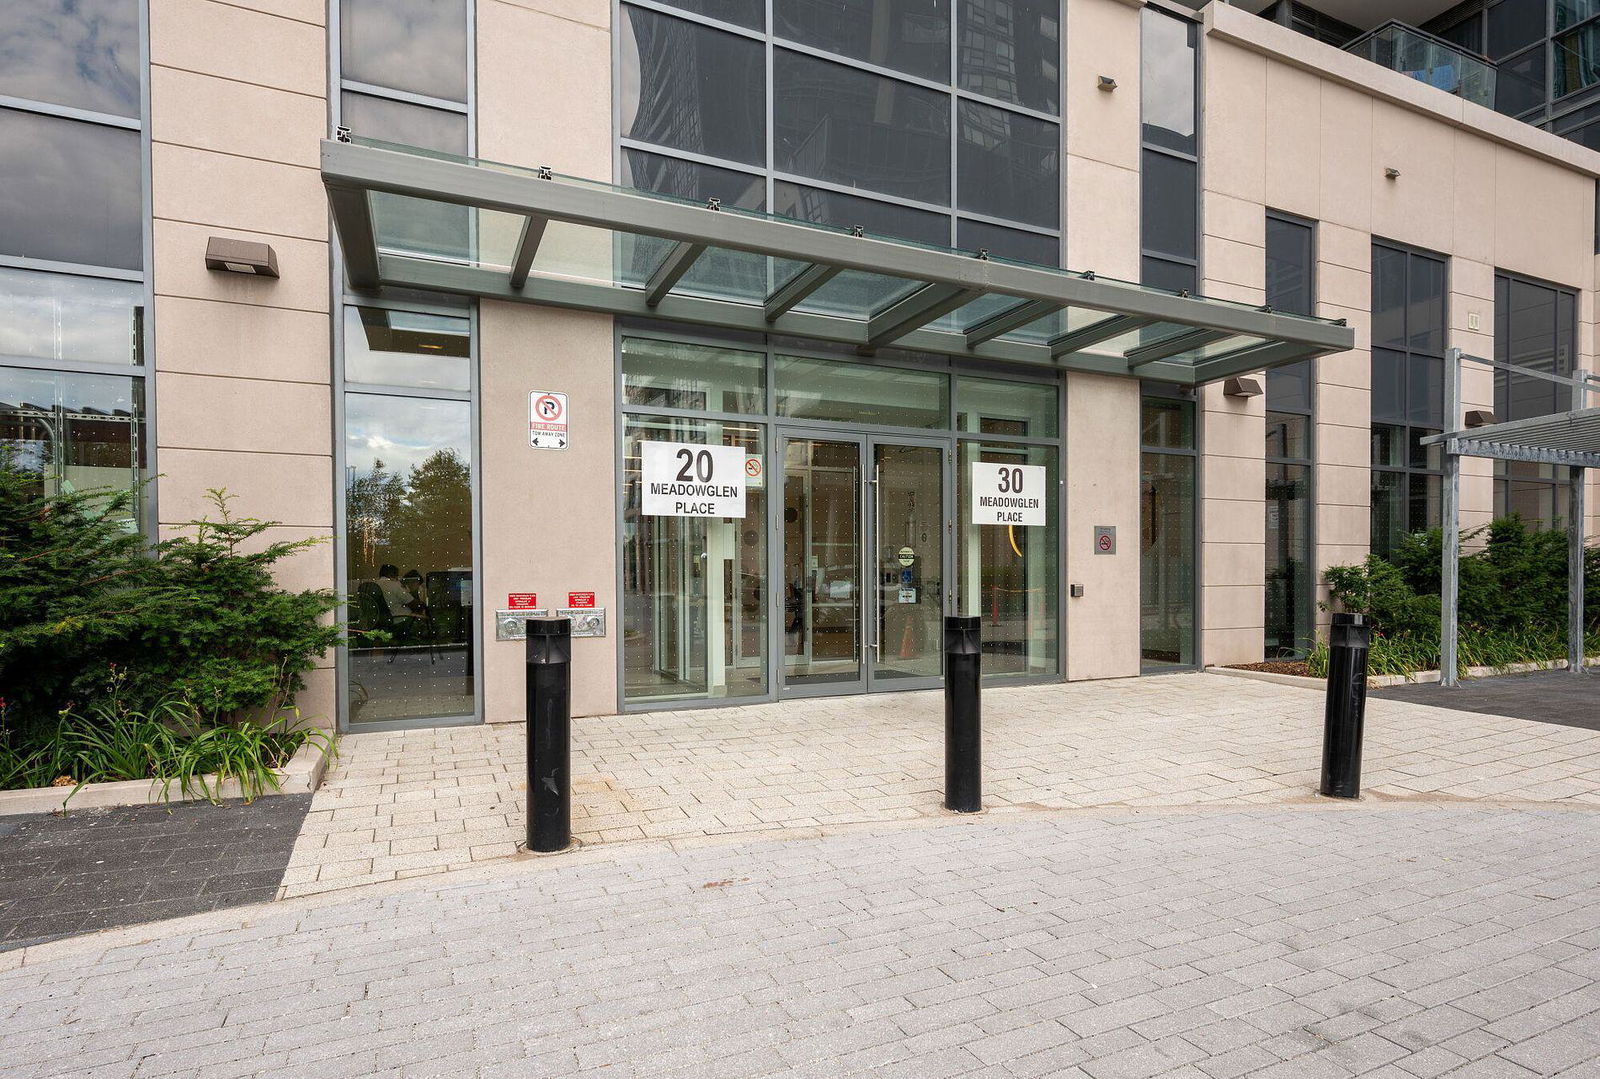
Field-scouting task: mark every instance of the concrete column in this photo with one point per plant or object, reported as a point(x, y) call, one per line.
point(549, 516)
point(238, 104)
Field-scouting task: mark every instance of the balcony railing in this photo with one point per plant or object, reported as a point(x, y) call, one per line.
point(1428, 59)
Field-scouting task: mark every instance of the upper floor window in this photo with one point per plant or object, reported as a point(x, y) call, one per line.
point(1169, 166)
point(81, 54)
point(914, 119)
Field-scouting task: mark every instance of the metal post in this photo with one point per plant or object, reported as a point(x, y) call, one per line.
point(1575, 523)
point(963, 782)
point(1450, 512)
point(549, 689)
point(1344, 714)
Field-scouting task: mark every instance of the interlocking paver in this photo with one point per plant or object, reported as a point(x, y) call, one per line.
point(930, 951)
point(398, 804)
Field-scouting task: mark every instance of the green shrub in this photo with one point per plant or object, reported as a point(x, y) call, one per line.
point(198, 618)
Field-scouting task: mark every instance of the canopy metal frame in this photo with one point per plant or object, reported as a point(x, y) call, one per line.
point(938, 281)
point(1571, 439)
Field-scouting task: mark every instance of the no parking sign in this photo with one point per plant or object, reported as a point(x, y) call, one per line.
point(547, 420)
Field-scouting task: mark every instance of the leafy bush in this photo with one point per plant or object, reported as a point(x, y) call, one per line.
point(198, 619)
point(1512, 599)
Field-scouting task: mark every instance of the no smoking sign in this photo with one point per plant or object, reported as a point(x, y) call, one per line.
point(547, 420)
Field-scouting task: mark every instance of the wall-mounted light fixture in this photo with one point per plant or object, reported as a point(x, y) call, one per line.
point(1480, 417)
point(241, 256)
point(1107, 83)
point(1241, 387)
point(1391, 173)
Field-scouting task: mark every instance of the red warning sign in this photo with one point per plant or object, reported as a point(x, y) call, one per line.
point(522, 601)
point(580, 599)
point(547, 420)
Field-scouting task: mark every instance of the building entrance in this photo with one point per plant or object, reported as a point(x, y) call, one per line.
point(864, 524)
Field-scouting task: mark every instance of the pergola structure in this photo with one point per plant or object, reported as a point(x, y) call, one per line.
point(416, 219)
point(1569, 438)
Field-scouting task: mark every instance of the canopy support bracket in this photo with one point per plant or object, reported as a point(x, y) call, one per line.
point(533, 227)
point(1012, 318)
point(795, 290)
point(923, 306)
point(671, 271)
point(352, 217)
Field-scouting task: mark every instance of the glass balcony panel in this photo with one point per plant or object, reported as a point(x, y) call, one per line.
point(1429, 59)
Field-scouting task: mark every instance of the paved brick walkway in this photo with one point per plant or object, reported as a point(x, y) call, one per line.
point(398, 805)
point(1291, 942)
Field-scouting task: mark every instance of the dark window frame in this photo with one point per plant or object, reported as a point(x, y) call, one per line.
point(1557, 486)
point(1149, 257)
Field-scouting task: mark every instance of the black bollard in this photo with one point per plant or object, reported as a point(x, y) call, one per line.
point(963, 715)
point(1345, 712)
point(549, 689)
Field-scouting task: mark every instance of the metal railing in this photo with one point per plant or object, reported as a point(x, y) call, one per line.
point(1429, 59)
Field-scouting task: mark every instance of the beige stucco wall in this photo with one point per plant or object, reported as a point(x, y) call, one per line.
point(1284, 128)
point(238, 102)
point(548, 518)
point(1101, 180)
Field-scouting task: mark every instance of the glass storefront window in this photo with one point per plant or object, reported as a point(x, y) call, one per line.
point(408, 557)
point(694, 621)
point(1167, 535)
point(675, 374)
point(407, 348)
point(1008, 574)
point(62, 317)
point(991, 406)
point(78, 433)
point(1290, 575)
point(813, 389)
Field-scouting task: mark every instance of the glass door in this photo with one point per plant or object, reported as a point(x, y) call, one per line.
point(821, 524)
point(910, 520)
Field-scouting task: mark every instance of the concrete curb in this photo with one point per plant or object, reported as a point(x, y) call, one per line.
point(302, 775)
point(1383, 681)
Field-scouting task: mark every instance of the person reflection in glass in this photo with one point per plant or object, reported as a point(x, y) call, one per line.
point(402, 601)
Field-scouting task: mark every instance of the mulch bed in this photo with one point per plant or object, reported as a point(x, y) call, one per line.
point(1296, 667)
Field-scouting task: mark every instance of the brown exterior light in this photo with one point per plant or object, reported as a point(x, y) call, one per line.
point(1241, 387)
point(241, 256)
point(1107, 83)
point(1392, 173)
point(1480, 417)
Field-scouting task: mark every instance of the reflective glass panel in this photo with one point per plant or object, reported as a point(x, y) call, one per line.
point(694, 617)
point(1388, 385)
point(407, 348)
point(46, 316)
point(822, 540)
point(404, 123)
point(1425, 390)
point(1008, 574)
point(1289, 387)
point(1008, 165)
point(1164, 273)
point(858, 129)
point(1290, 576)
point(1011, 50)
point(1388, 446)
point(693, 88)
point(79, 53)
point(1288, 435)
point(1014, 244)
point(1519, 83)
point(414, 45)
point(1167, 80)
point(884, 220)
point(1514, 24)
point(1388, 296)
point(1289, 266)
point(1166, 423)
point(906, 504)
point(717, 272)
point(76, 433)
point(1390, 516)
point(71, 192)
point(992, 406)
point(677, 374)
point(908, 35)
point(429, 229)
point(692, 180)
point(1166, 561)
point(748, 13)
point(1572, 12)
point(815, 389)
point(408, 557)
point(1170, 217)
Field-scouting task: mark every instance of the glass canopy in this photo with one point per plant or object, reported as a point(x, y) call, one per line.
point(417, 219)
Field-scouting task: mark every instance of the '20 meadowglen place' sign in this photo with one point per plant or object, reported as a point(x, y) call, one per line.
point(1005, 494)
point(685, 480)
